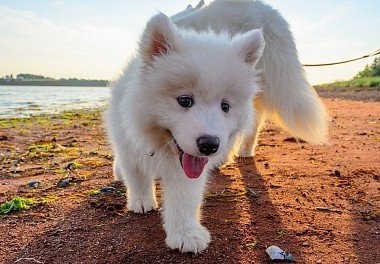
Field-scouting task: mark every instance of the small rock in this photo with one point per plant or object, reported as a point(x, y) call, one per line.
point(34, 184)
point(293, 139)
point(337, 173)
point(93, 153)
point(305, 244)
point(274, 186)
point(72, 166)
point(63, 183)
point(107, 189)
point(276, 253)
point(326, 209)
point(318, 261)
point(266, 165)
point(302, 232)
point(108, 156)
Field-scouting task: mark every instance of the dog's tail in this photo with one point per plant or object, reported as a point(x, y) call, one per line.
point(287, 97)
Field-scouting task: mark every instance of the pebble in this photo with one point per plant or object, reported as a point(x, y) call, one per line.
point(276, 253)
point(64, 182)
point(71, 166)
point(107, 189)
point(34, 184)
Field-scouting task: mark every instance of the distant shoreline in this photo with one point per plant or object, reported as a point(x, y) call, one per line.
point(56, 83)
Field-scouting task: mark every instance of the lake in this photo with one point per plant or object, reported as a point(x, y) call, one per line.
point(23, 101)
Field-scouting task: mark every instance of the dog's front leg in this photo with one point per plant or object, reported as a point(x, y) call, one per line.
point(140, 190)
point(182, 202)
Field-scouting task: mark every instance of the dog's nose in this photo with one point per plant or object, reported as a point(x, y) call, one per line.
point(208, 144)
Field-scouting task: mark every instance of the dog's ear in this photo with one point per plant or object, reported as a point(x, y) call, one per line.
point(250, 46)
point(160, 37)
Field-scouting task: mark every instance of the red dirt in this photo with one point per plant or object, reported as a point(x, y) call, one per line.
point(321, 203)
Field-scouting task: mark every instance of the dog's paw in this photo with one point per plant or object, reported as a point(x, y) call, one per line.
point(190, 239)
point(142, 205)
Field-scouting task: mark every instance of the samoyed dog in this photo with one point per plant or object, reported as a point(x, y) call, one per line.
point(199, 84)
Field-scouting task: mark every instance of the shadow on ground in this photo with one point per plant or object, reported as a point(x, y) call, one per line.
point(242, 221)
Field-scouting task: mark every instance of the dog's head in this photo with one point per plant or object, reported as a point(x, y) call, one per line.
point(197, 89)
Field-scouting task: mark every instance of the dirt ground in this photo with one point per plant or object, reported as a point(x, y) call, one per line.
point(320, 203)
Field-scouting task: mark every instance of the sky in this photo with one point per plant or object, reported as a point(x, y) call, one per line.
point(94, 39)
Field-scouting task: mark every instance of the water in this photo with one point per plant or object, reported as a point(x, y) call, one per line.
point(24, 101)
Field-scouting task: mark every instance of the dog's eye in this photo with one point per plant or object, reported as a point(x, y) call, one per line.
point(185, 101)
point(225, 106)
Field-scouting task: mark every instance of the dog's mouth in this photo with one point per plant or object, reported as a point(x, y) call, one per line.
point(192, 165)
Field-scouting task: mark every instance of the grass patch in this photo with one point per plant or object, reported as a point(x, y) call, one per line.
point(44, 122)
point(47, 199)
point(49, 149)
point(18, 204)
point(14, 122)
point(356, 84)
point(94, 192)
point(42, 147)
point(46, 119)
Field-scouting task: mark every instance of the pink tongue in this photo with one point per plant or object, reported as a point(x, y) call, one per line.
point(193, 166)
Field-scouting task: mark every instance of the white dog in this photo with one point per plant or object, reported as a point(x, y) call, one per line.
point(187, 97)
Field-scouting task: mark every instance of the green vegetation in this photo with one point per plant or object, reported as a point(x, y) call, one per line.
point(94, 192)
point(43, 147)
point(73, 166)
point(369, 71)
point(368, 78)
point(365, 82)
point(27, 76)
point(17, 204)
point(47, 199)
point(46, 119)
point(39, 80)
point(14, 122)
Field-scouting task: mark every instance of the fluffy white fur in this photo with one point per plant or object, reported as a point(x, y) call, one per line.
point(211, 55)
